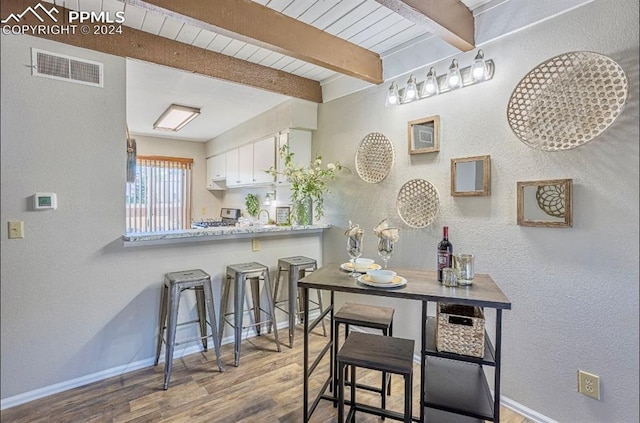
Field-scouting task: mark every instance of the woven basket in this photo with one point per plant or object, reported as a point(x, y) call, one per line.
point(460, 330)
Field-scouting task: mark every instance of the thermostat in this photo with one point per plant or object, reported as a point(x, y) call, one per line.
point(45, 201)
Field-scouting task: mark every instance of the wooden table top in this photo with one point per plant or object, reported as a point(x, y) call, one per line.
point(422, 285)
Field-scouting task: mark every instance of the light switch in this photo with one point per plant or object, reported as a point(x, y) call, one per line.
point(16, 229)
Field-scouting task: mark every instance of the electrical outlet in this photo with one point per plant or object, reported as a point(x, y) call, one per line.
point(589, 384)
point(16, 229)
point(255, 244)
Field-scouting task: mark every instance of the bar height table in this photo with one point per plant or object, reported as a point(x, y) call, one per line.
point(422, 285)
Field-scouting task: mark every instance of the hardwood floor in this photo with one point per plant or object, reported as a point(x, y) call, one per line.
point(266, 387)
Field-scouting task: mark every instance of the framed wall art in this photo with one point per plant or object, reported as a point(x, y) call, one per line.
point(546, 204)
point(283, 215)
point(424, 135)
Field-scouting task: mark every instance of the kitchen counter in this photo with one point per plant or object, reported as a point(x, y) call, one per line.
point(218, 234)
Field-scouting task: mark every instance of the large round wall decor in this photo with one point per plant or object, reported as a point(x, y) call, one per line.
point(567, 101)
point(374, 157)
point(418, 203)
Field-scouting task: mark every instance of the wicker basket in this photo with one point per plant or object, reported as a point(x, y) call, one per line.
point(460, 330)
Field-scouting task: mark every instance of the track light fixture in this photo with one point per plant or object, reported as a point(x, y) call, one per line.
point(479, 71)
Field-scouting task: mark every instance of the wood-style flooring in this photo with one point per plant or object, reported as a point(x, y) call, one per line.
point(266, 387)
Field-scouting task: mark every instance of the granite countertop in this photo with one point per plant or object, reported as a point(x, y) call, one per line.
point(218, 234)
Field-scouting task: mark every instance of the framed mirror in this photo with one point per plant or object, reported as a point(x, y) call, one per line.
point(471, 176)
point(545, 204)
point(424, 135)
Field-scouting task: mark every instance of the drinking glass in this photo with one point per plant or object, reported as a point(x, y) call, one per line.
point(385, 249)
point(354, 248)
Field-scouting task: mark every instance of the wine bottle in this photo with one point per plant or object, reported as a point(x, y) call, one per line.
point(445, 249)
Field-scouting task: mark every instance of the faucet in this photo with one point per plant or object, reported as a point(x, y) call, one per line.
point(267, 212)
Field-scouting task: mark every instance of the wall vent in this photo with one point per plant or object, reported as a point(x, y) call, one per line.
point(66, 68)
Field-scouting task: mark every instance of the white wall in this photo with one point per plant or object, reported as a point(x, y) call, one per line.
point(75, 305)
point(575, 290)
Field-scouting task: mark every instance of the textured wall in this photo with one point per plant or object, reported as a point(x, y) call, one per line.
point(574, 290)
point(75, 304)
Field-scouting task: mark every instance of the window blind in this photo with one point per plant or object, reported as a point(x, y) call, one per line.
point(160, 198)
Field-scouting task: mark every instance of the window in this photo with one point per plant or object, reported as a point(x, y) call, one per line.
point(160, 198)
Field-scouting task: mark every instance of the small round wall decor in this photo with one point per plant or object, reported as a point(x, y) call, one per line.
point(567, 101)
point(418, 203)
point(374, 157)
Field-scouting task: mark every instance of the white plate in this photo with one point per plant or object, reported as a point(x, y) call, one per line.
point(397, 281)
point(348, 267)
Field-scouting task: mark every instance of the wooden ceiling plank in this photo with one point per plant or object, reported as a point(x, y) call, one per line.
point(450, 20)
point(136, 44)
point(247, 20)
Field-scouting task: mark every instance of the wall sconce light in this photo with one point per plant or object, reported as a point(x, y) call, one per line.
point(430, 86)
point(393, 97)
point(481, 70)
point(454, 79)
point(410, 91)
point(269, 198)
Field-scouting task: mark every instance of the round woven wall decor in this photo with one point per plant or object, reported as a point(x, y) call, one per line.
point(567, 101)
point(550, 199)
point(418, 203)
point(374, 157)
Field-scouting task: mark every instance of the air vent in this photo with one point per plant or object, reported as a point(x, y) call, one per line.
point(66, 68)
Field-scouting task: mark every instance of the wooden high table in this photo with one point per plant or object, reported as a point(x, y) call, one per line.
point(452, 387)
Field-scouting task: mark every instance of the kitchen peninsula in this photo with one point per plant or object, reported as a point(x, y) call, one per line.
point(219, 234)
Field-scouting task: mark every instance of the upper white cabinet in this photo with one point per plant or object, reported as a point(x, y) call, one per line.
point(216, 172)
point(299, 142)
point(264, 154)
point(246, 164)
point(217, 167)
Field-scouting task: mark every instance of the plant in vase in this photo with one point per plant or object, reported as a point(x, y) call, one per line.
point(308, 185)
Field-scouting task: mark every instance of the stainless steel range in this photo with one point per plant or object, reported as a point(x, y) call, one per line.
point(228, 217)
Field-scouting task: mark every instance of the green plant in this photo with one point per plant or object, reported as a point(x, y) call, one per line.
point(252, 204)
point(308, 184)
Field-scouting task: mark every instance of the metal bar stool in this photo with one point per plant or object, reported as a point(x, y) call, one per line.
point(296, 268)
point(373, 317)
point(375, 352)
point(239, 274)
point(174, 284)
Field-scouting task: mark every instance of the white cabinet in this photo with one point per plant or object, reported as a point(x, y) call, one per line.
point(299, 142)
point(264, 153)
point(246, 164)
point(216, 172)
point(217, 167)
point(232, 167)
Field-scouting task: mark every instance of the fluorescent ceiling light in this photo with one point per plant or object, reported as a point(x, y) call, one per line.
point(176, 117)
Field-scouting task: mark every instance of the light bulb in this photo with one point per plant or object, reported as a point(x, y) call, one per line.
point(479, 67)
point(454, 79)
point(410, 91)
point(430, 85)
point(392, 95)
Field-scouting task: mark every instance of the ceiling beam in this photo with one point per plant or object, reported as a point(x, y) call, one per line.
point(144, 46)
point(450, 20)
point(259, 25)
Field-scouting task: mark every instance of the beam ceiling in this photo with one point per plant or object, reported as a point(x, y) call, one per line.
point(144, 46)
point(259, 25)
point(450, 20)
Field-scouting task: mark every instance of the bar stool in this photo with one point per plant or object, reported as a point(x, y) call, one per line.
point(174, 284)
point(296, 268)
point(381, 353)
point(369, 316)
point(239, 274)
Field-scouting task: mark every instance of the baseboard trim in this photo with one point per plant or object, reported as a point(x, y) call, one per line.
point(108, 373)
point(141, 364)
